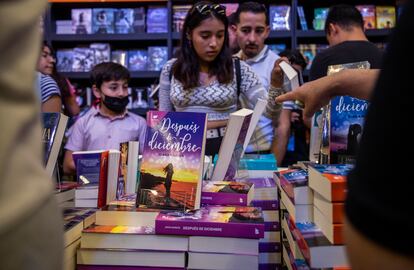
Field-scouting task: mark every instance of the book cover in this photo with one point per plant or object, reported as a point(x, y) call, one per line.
point(368, 14)
point(320, 15)
point(172, 160)
point(137, 60)
point(221, 221)
point(279, 17)
point(54, 126)
point(82, 21)
point(129, 165)
point(258, 162)
point(157, 57)
point(88, 166)
point(179, 14)
point(386, 17)
point(302, 18)
point(139, 20)
point(124, 19)
point(120, 57)
point(342, 123)
point(157, 18)
point(102, 52)
point(295, 183)
point(226, 193)
point(231, 148)
point(329, 180)
point(64, 59)
point(83, 59)
point(103, 20)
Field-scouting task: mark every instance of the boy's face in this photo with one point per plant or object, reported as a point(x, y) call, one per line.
point(112, 88)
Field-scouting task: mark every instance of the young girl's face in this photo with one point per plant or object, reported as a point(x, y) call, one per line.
point(46, 61)
point(208, 39)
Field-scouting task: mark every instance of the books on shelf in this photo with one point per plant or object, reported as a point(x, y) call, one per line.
point(139, 20)
point(102, 21)
point(302, 18)
point(157, 57)
point(219, 221)
point(368, 14)
point(54, 126)
point(83, 59)
point(124, 19)
point(102, 52)
point(130, 237)
point(231, 148)
point(172, 161)
point(82, 21)
point(329, 180)
point(319, 19)
point(227, 193)
point(386, 17)
point(157, 19)
point(179, 14)
point(279, 17)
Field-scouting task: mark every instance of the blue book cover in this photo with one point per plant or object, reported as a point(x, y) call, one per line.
point(88, 166)
point(124, 21)
point(138, 60)
point(157, 57)
point(64, 60)
point(172, 160)
point(103, 20)
point(157, 19)
point(279, 16)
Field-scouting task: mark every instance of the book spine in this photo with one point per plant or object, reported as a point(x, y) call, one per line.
point(214, 198)
point(270, 247)
point(266, 204)
point(216, 229)
point(103, 180)
point(271, 226)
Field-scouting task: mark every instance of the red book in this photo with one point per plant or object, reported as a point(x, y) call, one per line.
point(103, 179)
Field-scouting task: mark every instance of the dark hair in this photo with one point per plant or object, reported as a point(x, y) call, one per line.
point(295, 57)
point(346, 16)
point(49, 46)
point(108, 71)
point(232, 18)
point(252, 7)
point(187, 67)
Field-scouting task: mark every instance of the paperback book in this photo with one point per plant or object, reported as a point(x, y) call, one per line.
point(124, 19)
point(82, 21)
point(227, 193)
point(220, 221)
point(103, 20)
point(64, 59)
point(295, 183)
point(279, 16)
point(172, 161)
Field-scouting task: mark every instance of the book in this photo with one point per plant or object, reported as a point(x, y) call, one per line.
point(230, 245)
point(129, 165)
point(102, 52)
point(103, 20)
point(332, 231)
point(74, 221)
point(279, 17)
point(302, 18)
point(179, 14)
point(90, 166)
point(342, 123)
point(114, 188)
point(227, 193)
point(82, 21)
point(329, 180)
point(295, 183)
point(123, 267)
point(157, 19)
point(130, 237)
point(368, 14)
point(386, 17)
point(124, 19)
point(139, 20)
point(334, 212)
point(316, 248)
point(289, 233)
point(54, 126)
point(219, 221)
point(137, 60)
point(231, 147)
point(64, 59)
point(265, 162)
point(120, 215)
point(172, 160)
point(157, 57)
point(65, 195)
point(291, 262)
point(83, 59)
point(120, 57)
point(320, 15)
point(299, 212)
point(131, 257)
point(201, 260)
point(264, 188)
point(291, 74)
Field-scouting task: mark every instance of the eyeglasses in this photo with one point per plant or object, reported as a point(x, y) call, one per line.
point(206, 9)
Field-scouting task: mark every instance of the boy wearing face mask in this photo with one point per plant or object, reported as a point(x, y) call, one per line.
point(109, 124)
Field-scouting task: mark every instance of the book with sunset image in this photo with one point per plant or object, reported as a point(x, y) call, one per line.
point(172, 161)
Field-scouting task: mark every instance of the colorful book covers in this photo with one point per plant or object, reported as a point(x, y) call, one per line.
point(172, 161)
point(226, 193)
point(222, 221)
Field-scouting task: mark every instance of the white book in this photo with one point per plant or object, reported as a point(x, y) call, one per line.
point(113, 174)
point(224, 245)
point(299, 212)
point(231, 147)
point(86, 203)
point(258, 110)
point(291, 74)
point(129, 165)
point(110, 215)
point(217, 261)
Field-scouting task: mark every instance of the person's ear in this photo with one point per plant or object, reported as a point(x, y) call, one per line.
point(333, 29)
point(96, 91)
point(233, 27)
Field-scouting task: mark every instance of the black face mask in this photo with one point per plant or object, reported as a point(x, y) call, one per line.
point(116, 104)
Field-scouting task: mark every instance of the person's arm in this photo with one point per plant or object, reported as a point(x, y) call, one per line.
point(282, 133)
point(68, 163)
point(316, 94)
point(71, 105)
point(165, 87)
point(53, 104)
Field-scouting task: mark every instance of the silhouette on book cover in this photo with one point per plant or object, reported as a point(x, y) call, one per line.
point(172, 160)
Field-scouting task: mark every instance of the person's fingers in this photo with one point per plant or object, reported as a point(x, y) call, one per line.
point(288, 96)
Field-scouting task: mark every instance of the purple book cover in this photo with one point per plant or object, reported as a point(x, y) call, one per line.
point(218, 221)
point(262, 182)
point(238, 149)
point(172, 160)
point(269, 247)
point(225, 193)
point(271, 226)
point(270, 266)
point(266, 204)
point(114, 267)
